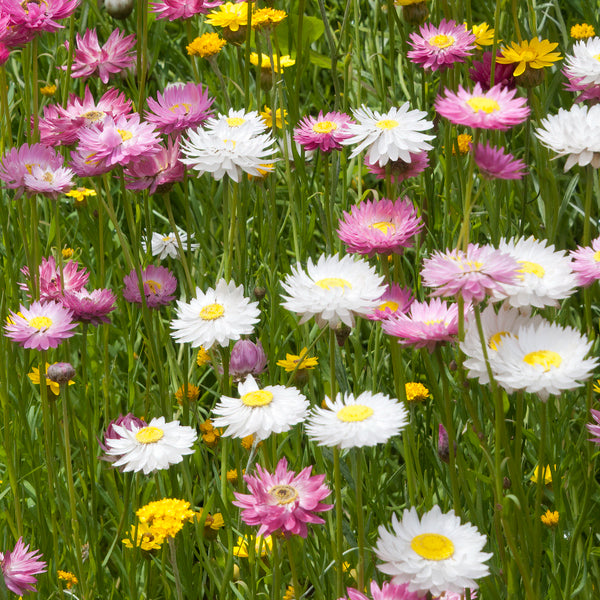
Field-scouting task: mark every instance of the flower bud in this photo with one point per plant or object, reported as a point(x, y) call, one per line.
point(60, 373)
point(118, 9)
point(127, 422)
point(247, 358)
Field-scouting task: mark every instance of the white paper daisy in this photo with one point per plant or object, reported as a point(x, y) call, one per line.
point(544, 359)
point(390, 136)
point(165, 244)
point(546, 275)
point(236, 122)
point(152, 447)
point(260, 412)
point(582, 63)
point(215, 316)
point(350, 422)
point(334, 290)
point(434, 554)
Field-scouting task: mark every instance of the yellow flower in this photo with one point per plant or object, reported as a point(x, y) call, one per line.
point(484, 35)
point(229, 15)
point(210, 435)
point(35, 379)
point(550, 518)
point(262, 546)
point(596, 387)
point(416, 392)
point(408, 2)
point(203, 357)
point(146, 537)
point(67, 253)
point(265, 61)
point(289, 593)
point(264, 18)
point(208, 44)
point(166, 517)
point(248, 441)
point(193, 393)
point(232, 475)
point(546, 474)
point(70, 579)
point(463, 141)
point(48, 90)
point(303, 361)
point(80, 194)
point(212, 524)
point(267, 116)
point(582, 32)
point(535, 54)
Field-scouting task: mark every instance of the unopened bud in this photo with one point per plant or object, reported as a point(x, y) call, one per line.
point(119, 9)
point(60, 373)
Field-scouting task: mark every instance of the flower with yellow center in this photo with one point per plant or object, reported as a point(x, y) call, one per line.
point(48, 90)
point(416, 392)
point(546, 474)
point(205, 46)
point(433, 554)
point(484, 35)
point(279, 62)
point(535, 54)
point(267, 18)
point(301, 361)
point(582, 31)
point(550, 518)
point(69, 579)
point(230, 15)
point(166, 517)
point(35, 379)
point(262, 546)
point(80, 194)
point(280, 118)
point(146, 537)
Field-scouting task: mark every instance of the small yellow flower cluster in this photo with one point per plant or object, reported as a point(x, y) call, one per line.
point(67, 253)
point(69, 579)
point(582, 31)
point(248, 441)
point(232, 475)
point(208, 44)
point(193, 393)
point(289, 593)
point(48, 90)
point(234, 16)
point(203, 357)
point(416, 392)
point(210, 435)
point(463, 141)
point(550, 518)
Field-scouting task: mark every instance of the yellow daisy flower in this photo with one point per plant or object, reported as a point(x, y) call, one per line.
point(546, 474)
point(229, 15)
point(264, 18)
point(291, 361)
point(535, 54)
point(208, 44)
point(484, 35)
point(267, 116)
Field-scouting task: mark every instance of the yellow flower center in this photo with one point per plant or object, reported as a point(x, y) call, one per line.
point(597, 56)
point(325, 127)
point(283, 494)
point(40, 323)
point(93, 115)
point(186, 107)
point(442, 41)
point(354, 413)
point(235, 121)
point(528, 56)
point(211, 312)
point(597, 256)
point(393, 306)
point(547, 359)
point(167, 238)
point(48, 177)
point(149, 435)
point(332, 282)
point(433, 322)
point(153, 286)
point(387, 124)
point(483, 104)
point(125, 135)
point(432, 546)
point(383, 226)
point(257, 398)
point(531, 267)
point(496, 340)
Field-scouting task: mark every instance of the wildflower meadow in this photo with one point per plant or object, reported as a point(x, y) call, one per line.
point(300, 300)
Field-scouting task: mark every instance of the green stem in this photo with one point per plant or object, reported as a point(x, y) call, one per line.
point(339, 515)
point(293, 568)
point(360, 523)
point(176, 575)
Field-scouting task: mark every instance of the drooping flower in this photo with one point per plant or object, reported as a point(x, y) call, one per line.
point(247, 358)
point(440, 47)
point(182, 9)
point(325, 132)
point(53, 282)
point(151, 447)
point(163, 245)
point(380, 227)
point(495, 109)
point(395, 300)
point(333, 290)
point(434, 554)
point(481, 73)
point(90, 307)
point(217, 316)
point(145, 537)
point(260, 412)
point(19, 567)
point(158, 284)
point(389, 136)
point(267, 17)
point(544, 473)
point(527, 55)
point(283, 501)
point(586, 263)
point(495, 163)
point(400, 170)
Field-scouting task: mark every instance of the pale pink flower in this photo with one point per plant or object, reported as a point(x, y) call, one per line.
point(586, 263)
point(50, 285)
point(388, 591)
point(594, 429)
point(395, 301)
point(283, 501)
point(182, 9)
point(34, 18)
point(158, 283)
point(399, 169)
point(19, 568)
point(324, 132)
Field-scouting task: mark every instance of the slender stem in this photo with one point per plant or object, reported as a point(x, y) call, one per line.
point(360, 523)
point(339, 515)
point(293, 568)
point(176, 575)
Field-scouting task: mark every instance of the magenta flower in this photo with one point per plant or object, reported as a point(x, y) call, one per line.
point(399, 169)
point(130, 422)
point(247, 358)
point(19, 568)
point(396, 300)
point(440, 47)
point(481, 73)
point(380, 227)
point(588, 91)
point(4, 52)
point(427, 324)
point(388, 591)
point(90, 307)
point(494, 163)
point(179, 107)
point(594, 429)
point(50, 284)
point(91, 59)
point(28, 19)
point(324, 132)
point(586, 263)
point(182, 9)
point(495, 109)
point(159, 285)
point(41, 326)
point(283, 501)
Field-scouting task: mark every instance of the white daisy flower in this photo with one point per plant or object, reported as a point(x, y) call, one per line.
point(260, 412)
point(496, 327)
point(574, 133)
point(546, 275)
point(350, 422)
point(389, 136)
point(543, 359)
point(583, 63)
point(215, 316)
point(333, 290)
point(150, 447)
point(435, 554)
point(236, 122)
point(163, 245)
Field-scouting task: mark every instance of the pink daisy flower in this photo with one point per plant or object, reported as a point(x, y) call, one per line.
point(50, 284)
point(481, 73)
point(588, 92)
point(159, 286)
point(440, 47)
point(4, 52)
point(380, 227)
point(495, 109)
point(388, 591)
point(594, 429)
point(157, 172)
point(91, 59)
point(41, 326)
point(396, 300)
point(399, 169)
point(118, 142)
point(19, 568)
point(182, 9)
point(473, 274)
point(90, 307)
point(33, 18)
point(428, 324)
point(495, 163)
point(179, 107)
point(586, 263)
point(283, 501)
point(324, 132)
